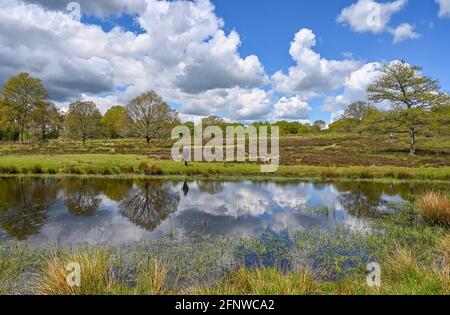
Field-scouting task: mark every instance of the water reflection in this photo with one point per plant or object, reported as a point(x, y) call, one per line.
point(149, 203)
point(81, 197)
point(24, 205)
point(100, 210)
point(185, 188)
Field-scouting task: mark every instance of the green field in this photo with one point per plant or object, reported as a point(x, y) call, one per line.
point(316, 156)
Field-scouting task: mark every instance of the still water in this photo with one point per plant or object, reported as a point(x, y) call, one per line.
point(98, 211)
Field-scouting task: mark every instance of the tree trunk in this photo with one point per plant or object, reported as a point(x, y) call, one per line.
point(84, 140)
point(147, 138)
point(22, 127)
point(413, 141)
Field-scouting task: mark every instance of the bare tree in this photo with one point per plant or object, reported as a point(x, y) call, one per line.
point(358, 110)
point(151, 117)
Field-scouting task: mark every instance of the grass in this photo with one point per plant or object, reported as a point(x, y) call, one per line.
point(435, 208)
point(97, 270)
point(414, 258)
point(126, 164)
point(95, 275)
point(263, 281)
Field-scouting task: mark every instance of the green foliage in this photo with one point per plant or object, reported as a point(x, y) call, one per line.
point(46, 121)
point(411, 94)
point(83, 121)
point(116, 122)
point(22, 93)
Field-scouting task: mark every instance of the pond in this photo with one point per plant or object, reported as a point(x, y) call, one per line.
point(114, 211)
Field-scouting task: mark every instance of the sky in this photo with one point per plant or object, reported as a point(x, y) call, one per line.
point(246, 60)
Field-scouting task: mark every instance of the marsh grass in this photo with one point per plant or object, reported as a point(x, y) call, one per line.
point(96, 278)
point(414, 257)
point(153, 279)
point(262, 281)
point(435, 209)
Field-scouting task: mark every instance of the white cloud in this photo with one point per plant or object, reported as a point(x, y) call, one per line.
point(403, 32)
point(313, 75)
point(370, 16)
point(366, 16)
point(355, 89)
point(444, 8)
point(234, 104)
point(293, 108)
point(184, 55)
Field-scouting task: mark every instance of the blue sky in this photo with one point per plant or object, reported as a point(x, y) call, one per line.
point(236, 59)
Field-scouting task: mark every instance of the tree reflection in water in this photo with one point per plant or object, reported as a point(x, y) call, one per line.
point(24, 204)
point(82, 196)
point(149, 203)
point(210, 187)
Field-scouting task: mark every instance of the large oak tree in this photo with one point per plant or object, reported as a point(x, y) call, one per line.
point(151, 117)
point(411, 94)
point(23, 93)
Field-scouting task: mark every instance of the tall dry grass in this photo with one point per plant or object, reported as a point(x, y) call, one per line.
point(95, 274)
point(97, 277)
point(435, 209)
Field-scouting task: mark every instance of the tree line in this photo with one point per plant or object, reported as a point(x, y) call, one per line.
point(27, 114)
point(417, 106)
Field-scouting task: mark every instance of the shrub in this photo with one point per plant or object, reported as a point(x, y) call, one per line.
point(104, 171)
point(8, 170)
point(435, 209)
point(90, 171)
point(147, 169)
point(71, 170)
point(52, 171)
point(37, 169)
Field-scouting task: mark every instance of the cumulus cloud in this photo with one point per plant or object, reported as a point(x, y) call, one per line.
point(292, 108)
point(235, 104)
point(444, 8)
point(312, 75)
point(184, 54)
point(354, 89)
point(366, 16)
point(403, 32)
point(370, 16)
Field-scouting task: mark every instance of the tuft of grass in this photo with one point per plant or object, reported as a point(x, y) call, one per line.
point(435, 209)
point(153, 279)
point(148, 169)
point(263, 281)
point(95, 274)
point(126, 169)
